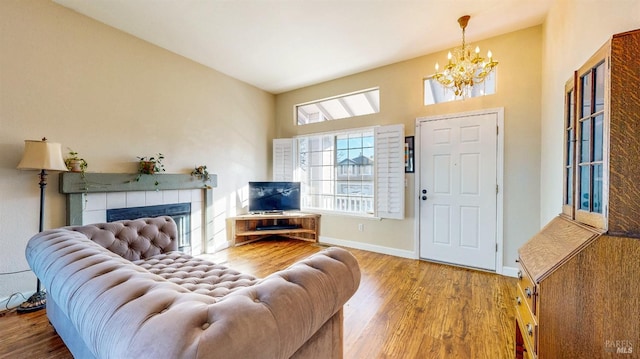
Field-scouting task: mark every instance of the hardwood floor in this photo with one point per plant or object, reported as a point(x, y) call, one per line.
point(403, 309)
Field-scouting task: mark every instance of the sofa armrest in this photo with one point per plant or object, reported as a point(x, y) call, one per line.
point(285, 309)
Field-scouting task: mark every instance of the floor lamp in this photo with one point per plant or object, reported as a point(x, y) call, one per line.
point(43, 156)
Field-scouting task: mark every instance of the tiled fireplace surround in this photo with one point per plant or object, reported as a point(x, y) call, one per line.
point(89, 198)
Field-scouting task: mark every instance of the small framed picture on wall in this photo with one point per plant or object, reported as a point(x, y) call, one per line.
point(408, 154)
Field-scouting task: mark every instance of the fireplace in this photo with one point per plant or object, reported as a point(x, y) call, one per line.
point(180, 212)
point(106, 197)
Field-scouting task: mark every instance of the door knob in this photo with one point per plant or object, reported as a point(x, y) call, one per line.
point(424, 198)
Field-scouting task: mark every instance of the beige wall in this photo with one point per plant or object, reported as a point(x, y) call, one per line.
point(572, 33)
point(519, 88)
point(113, 97)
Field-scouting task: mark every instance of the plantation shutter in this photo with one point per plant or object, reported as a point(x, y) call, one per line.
point(389, 162)
point(283, 159)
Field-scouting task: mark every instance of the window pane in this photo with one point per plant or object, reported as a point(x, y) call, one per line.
point(584, 187)
point(585, 128)
point(586, 95)
point(315, 187)
point(342, 106)
point(355, 141)
point(572, 111)
point(569, 194)
point(367, 141)
point(599, 103)
point(303, 160)
point(315, 144)
point(597, 188)
point(316, 158)
point(597, 137)
point(340, 180)
point(368, 152)
point(569, 144)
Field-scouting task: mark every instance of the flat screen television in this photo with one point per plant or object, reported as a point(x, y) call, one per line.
point(270, 197)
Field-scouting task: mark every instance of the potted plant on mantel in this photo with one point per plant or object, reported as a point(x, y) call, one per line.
point(75, 163)
point(202, 174)
point(150, 165)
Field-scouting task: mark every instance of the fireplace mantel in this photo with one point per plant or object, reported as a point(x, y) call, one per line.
point(78, 188)
point(75, 186)
point(74, 183)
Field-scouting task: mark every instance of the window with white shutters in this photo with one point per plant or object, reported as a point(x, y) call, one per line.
point(283, 159)
point(390, 172)
point(357, 172)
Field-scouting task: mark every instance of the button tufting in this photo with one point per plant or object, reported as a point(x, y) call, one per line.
point(256, 300)
point(205, 326)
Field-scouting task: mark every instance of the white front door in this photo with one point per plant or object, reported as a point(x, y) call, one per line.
point(458, 186)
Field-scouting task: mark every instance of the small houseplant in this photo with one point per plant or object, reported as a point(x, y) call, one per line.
point(75, 163)
point(150, 165)
point(201, 173)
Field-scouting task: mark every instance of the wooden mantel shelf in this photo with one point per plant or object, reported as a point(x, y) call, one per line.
point(73, 182)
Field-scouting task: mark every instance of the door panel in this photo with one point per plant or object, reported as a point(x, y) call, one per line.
point(458, 166)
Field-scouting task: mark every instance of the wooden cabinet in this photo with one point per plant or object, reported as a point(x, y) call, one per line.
point(578, 294)
point(252, 227)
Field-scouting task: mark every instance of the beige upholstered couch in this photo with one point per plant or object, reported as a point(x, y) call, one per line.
point(121, 290)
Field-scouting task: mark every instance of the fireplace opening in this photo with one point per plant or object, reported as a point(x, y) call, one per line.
point(180, 212)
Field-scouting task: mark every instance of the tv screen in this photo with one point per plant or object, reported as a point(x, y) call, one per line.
point(274, 196)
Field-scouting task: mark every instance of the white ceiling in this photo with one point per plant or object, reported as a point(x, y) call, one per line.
point(281, 45)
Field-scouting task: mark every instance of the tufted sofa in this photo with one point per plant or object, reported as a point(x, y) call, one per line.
point(122, 290)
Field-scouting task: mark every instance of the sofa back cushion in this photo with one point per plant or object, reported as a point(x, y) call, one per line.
point(134, 239)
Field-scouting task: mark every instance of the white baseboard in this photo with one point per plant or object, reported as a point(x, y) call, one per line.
point(368, 247)
point(510, 272)
point(506, 271)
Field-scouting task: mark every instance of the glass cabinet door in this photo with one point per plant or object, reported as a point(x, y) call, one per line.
point(589, 202)
point(569, 148)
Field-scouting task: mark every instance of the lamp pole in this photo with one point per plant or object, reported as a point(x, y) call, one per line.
point(43, 156)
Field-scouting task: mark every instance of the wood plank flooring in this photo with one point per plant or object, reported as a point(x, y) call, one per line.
point(403, 309)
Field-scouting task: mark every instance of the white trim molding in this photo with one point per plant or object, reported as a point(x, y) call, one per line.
point(369, 247)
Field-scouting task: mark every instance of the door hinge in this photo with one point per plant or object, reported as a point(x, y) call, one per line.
point(496, 189)
point(496, 247)
point(497, 130)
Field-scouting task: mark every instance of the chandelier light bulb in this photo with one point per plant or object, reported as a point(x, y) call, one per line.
point(449, 56)
point(489, 55)
point(437, 67)
point(477, 50)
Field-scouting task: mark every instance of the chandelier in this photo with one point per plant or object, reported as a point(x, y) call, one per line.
point(464, 70)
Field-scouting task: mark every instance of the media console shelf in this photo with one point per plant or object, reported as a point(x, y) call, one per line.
point(252, 227)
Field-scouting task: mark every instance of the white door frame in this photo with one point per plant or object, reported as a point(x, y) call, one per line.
point(499, 179)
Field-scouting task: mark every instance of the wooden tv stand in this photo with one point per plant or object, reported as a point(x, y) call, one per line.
point(252, 227)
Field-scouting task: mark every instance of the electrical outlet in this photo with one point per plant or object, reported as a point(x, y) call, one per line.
point(360, 227)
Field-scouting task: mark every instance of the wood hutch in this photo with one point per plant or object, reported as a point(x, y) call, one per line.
point(578, 293)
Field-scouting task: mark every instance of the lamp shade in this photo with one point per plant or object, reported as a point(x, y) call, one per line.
point(42, 155)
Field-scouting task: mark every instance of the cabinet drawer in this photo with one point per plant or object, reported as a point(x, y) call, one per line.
point(527, 323)
point(529, 291)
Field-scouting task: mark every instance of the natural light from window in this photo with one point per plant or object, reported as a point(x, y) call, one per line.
point(354, 104)
point(336, 172)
